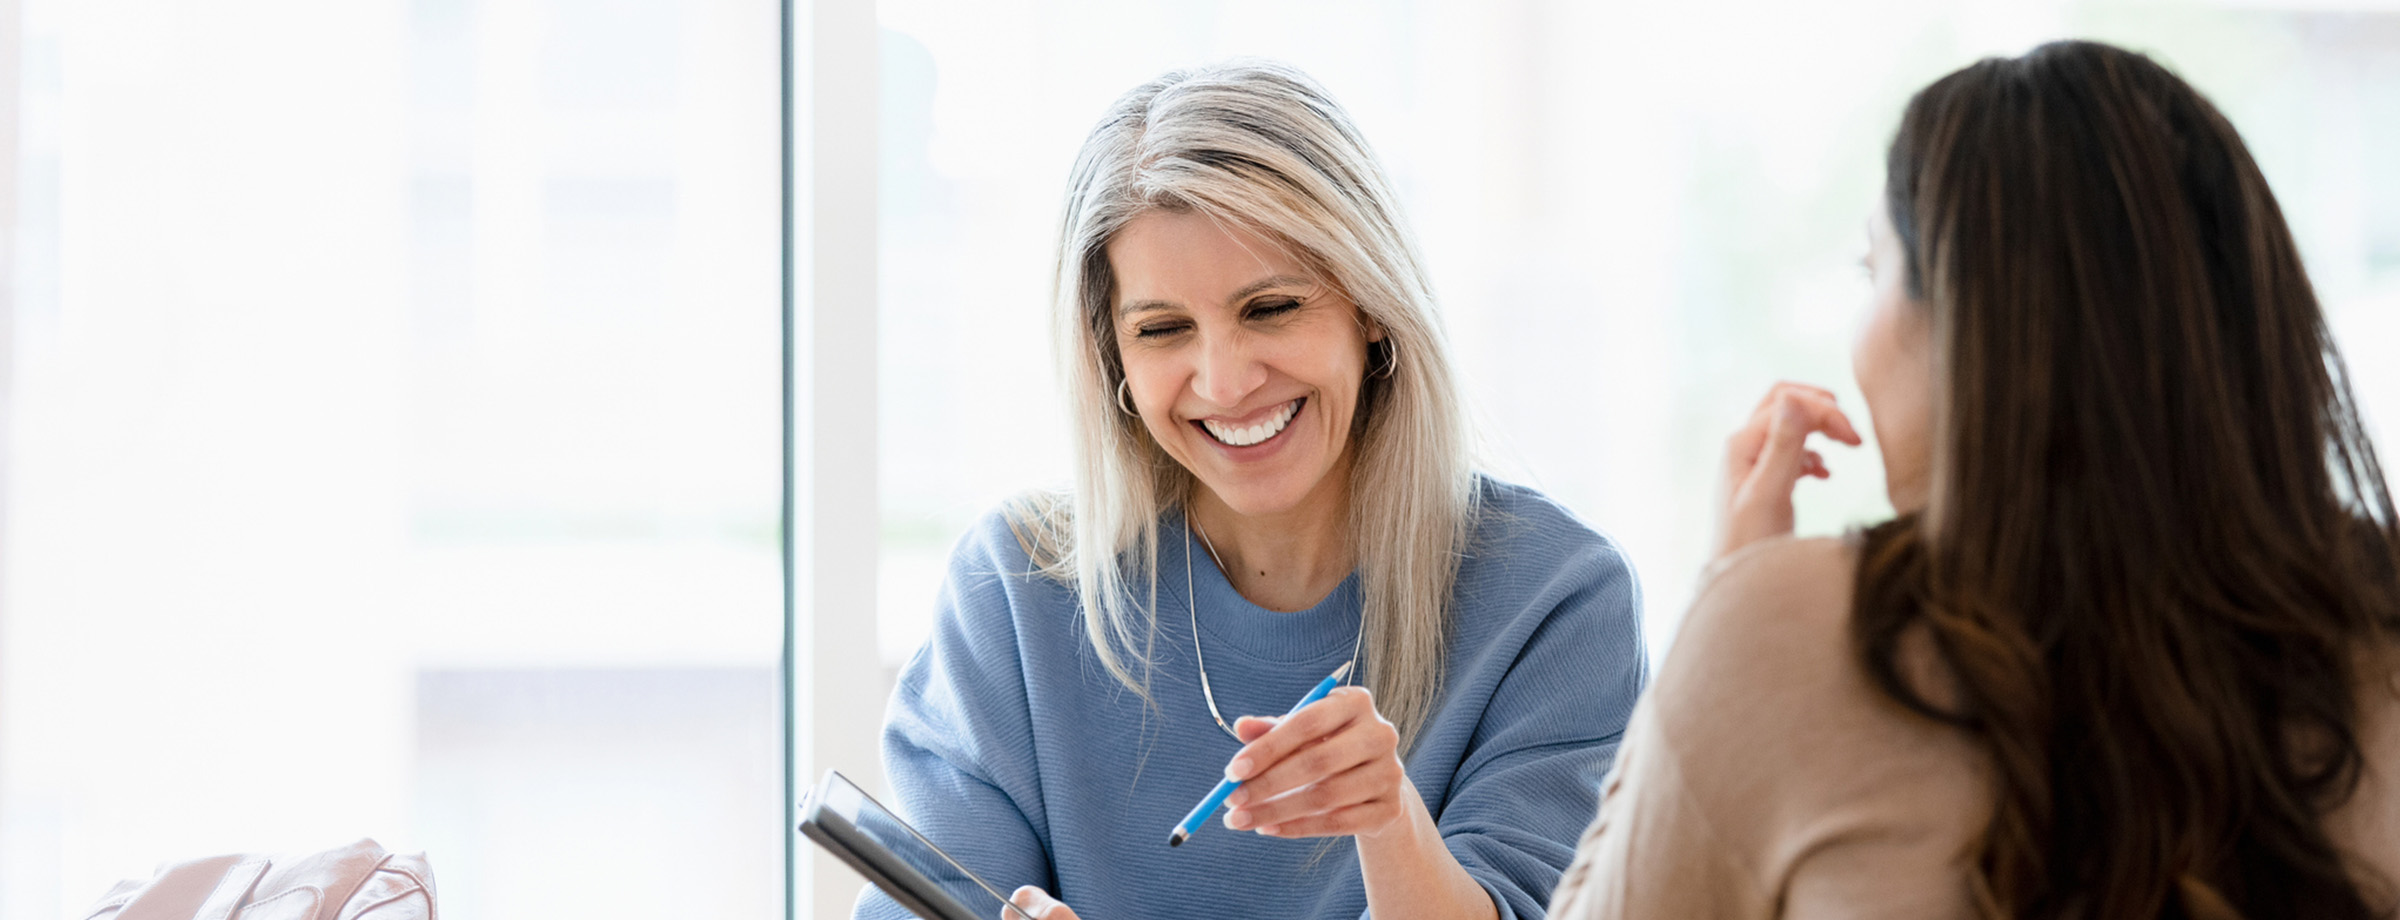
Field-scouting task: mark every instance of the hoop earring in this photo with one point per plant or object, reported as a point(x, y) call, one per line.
point(1391, 363)
point(1121, 406)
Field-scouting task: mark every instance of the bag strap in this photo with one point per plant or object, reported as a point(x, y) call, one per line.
point(232, 890)
point(204, 889)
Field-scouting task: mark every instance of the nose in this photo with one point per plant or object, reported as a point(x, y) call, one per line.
point(1228, 372)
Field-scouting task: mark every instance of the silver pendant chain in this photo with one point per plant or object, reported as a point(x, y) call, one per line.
point(1191, 604)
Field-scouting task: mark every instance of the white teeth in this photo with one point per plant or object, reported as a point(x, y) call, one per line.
point(1244, 437)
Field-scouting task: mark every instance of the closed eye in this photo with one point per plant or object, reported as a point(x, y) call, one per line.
point(1270, 309)
point(1159, 330)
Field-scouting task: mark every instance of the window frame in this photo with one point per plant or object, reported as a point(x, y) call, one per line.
point(830, 504)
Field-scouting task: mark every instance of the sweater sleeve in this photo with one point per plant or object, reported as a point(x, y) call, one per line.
point(1531, 779)
point(957, 739)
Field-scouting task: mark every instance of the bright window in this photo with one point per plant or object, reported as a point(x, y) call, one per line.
point(393, 449)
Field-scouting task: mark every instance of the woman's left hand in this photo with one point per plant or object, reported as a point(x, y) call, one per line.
point(1330, 770)
point(1769, 455)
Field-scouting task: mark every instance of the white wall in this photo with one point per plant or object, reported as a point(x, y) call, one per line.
point(370, 353)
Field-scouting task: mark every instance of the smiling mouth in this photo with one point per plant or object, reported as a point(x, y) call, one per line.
point(1252, 435)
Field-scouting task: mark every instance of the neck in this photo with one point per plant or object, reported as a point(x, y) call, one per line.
point(1906, 485)
point(1286, 560)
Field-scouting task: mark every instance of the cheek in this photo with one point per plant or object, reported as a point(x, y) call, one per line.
point(1149, 385)
point(1893, 364)
point(1882, 356)
point(1866, 362)
point(1338, 371)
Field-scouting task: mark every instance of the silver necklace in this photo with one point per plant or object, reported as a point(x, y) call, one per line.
point(1191, 604)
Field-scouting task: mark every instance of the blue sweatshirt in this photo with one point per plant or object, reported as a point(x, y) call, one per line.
point(1011, 748)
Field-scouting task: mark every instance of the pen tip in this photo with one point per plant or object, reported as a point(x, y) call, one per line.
point(1176, 839)
point(1339, 672)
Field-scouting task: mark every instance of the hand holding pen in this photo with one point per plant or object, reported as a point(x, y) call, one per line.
point(1330, 767)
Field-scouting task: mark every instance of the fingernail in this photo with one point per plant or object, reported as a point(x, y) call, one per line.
point(1272, 830)
point(1238, 770)
point(1025, 899)
point(1237, 819)
point(1238, 799)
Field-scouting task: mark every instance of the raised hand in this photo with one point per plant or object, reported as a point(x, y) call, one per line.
point(1768, 456)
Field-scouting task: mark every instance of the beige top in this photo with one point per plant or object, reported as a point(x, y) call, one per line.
point(1765, 776)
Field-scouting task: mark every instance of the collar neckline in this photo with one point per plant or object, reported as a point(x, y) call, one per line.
point(1327, 629)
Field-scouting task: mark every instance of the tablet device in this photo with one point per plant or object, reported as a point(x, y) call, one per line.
point(851, 825)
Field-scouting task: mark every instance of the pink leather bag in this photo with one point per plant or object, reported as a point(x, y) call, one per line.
point(361, 881)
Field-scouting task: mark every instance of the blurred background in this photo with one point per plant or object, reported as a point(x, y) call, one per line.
point(393, 448)
point(389, 421)
point(1638, 216)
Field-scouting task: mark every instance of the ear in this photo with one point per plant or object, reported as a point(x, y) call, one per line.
point(1373, 329)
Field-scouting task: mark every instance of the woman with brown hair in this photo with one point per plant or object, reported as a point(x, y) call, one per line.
point(2129, 648)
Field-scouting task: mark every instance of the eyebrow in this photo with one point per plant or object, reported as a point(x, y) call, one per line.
point(1248, 290)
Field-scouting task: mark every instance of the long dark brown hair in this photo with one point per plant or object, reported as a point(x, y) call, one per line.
point(2156, 542)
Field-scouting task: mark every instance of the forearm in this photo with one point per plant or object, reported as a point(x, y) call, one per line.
point(1411, 875)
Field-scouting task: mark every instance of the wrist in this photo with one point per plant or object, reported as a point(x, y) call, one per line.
point(1411, 874)
point(1408, 831)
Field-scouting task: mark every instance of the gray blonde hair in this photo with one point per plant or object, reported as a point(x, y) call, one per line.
point(1259, 146)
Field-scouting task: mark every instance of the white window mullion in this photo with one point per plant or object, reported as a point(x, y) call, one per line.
point(831, 107)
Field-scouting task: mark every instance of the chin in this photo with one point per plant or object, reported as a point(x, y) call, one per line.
point(1258, 501)
point(1263, 493)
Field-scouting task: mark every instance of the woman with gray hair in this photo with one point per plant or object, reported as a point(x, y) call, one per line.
point(1273, 483)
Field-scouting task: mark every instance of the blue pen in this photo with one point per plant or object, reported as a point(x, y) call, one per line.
point(1216, 797)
